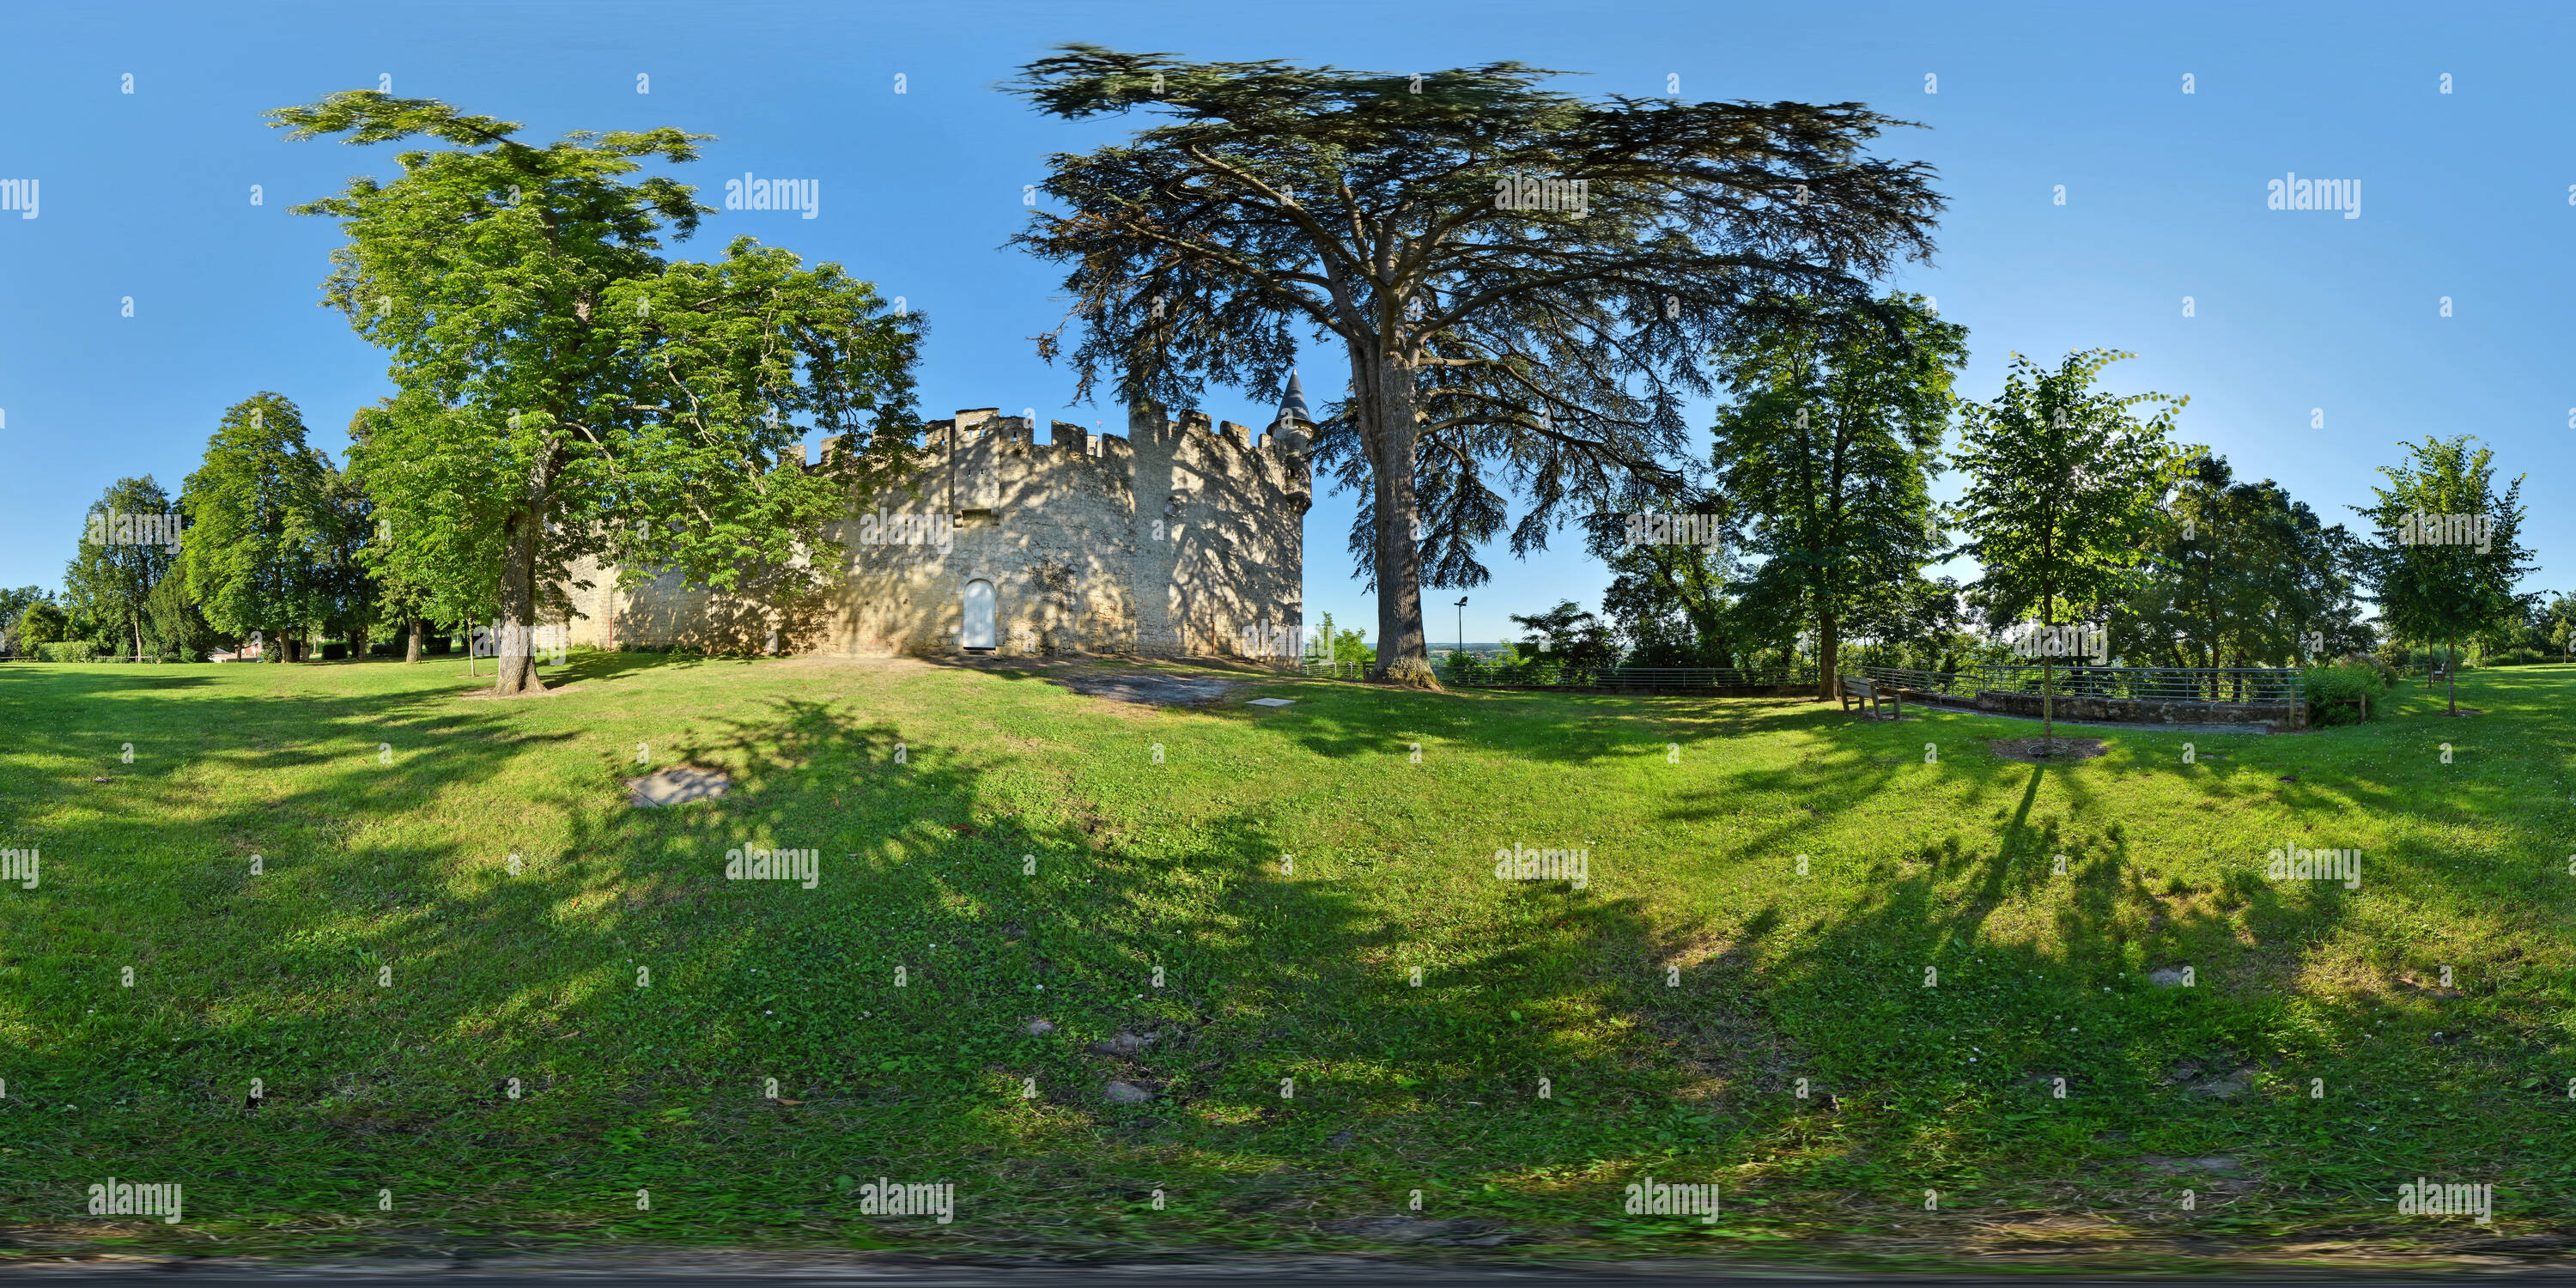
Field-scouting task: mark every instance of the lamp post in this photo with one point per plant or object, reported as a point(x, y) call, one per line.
point(1462, 624)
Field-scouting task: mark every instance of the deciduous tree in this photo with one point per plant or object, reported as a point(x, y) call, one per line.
point(111, 578)
point(563, 390)
point(2450, 547)
point(1828, 450)
point(262, 526)
point(2063, 485)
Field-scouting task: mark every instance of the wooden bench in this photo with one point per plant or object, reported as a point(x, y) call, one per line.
point(1859, 688)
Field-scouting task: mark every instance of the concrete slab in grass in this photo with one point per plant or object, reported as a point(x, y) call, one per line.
point(677, 785)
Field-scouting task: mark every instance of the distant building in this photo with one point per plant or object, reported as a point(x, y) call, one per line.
point(1177, 539)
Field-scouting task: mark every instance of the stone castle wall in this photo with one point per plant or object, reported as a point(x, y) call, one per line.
point(1171, 540)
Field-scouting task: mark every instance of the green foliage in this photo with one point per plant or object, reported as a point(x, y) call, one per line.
point(2554, 628)
point(2240, 575)
point(66, 651)
point(565, 391)
point(266, 530)
point(2063, 480)
point(2446, 590)
point(172, 626)
point(1917, 623)
point(1827, 452)
point(1341, 647)
point(116, 568)
point(1457, 664)
point(1673, 605)
point(1353, 645)
point(350, 595)
point(2532, 627)
point(1487, 340)
point(2344, 693)
point(1565, 636)
point(401, 596)
point(41, 622)
point(2439, 657)
point(13, 606)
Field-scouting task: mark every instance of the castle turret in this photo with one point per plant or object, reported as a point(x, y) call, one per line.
point(1294, 427)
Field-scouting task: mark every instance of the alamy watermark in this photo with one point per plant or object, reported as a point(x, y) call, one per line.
point(2295, 193)
point(890, 528)
point(1525, 193)
point(124, 1198)
point(20, 866)
point(1271, 639)
point(2063, 641)
point(19, 195)
point(117, 528)
point(803, 866)
point(882, 1197)
point(804, 196)
point(2421, 1197)
point(547, 641)
point(1675, 530)
point(2291, 863)
point(1521, 863)
point(1651, 1197)
point(2416, 528)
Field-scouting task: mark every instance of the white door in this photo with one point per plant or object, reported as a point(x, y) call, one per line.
point(979, 614)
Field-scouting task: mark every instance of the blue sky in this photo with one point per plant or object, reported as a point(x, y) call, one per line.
point(2469, 194)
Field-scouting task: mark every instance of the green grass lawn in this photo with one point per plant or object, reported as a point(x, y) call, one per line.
point(1769, 882)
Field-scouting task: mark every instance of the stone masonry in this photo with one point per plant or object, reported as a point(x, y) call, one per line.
point(1180, 539)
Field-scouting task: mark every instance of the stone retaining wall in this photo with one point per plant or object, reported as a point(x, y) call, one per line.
point(2282, 715)
point(1807, 690)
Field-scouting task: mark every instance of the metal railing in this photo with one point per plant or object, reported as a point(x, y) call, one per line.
point(1332, 669)
point(1554, 675)
point(2230, 684)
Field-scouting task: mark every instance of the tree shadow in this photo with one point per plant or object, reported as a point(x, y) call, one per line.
point(642, 1001)
point(601, 1005)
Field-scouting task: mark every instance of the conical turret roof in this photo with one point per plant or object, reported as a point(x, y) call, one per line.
point(1294, 406)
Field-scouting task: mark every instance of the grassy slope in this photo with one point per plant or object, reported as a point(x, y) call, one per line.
point(1267, 976)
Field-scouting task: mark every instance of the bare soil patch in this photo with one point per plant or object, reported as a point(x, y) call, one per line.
point(1149, 688)
point(2036, 751)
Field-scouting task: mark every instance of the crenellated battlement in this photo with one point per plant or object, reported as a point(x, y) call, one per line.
point(1178, 537)
point(974, 425)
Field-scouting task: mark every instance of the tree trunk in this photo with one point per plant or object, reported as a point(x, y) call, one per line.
point(517, 672)
point(412, 652)
point(1829, 684)
point(2451, 674)
point(2047, 676)
point(1390, 431)
point(2047, 706)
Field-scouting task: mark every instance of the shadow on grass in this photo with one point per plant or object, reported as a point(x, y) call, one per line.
point(609, 1014)
point(644, 1003)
